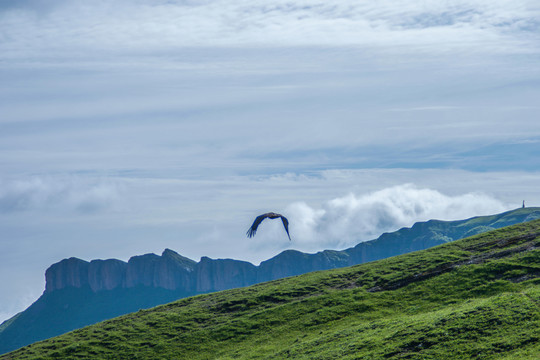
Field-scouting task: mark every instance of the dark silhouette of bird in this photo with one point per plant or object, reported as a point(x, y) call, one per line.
point(258, 220)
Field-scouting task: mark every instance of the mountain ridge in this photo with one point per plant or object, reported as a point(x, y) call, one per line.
point(81, 292)
point(173, 271)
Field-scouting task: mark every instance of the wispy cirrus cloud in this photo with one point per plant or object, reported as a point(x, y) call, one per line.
point(152, 27)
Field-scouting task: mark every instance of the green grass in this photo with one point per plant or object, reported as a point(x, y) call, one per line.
point(474, 298)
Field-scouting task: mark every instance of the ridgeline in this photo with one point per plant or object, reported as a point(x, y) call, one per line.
point(79, 293)
point(477, 297)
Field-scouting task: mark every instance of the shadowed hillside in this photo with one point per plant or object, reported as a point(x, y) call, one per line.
point(473, 298)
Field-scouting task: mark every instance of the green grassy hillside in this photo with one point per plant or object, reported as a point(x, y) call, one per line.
point(473, 298)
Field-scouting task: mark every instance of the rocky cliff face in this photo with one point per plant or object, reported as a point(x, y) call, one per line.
point(106, 274)
point(169, 271)
point(222, 274)
point(70, 272)
point(172, 271)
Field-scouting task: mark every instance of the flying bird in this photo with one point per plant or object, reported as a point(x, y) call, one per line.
point(258, 220)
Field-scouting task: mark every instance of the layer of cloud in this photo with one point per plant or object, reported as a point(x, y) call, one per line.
point(348, 220)
point(154, 26)
point(226, 86)
point(46, 194)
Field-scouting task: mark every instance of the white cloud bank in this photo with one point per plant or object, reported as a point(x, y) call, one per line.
point(345, 221)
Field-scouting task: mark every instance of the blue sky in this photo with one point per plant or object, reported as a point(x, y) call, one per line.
point(128, 127)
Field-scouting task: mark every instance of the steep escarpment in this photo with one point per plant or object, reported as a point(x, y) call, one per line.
point(98, 274)
point(221, 274)
point(70, 272)
point(105, 274)
point(169, 271)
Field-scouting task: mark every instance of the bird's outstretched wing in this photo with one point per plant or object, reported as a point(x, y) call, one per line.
point(253, 229)
point(286, 225)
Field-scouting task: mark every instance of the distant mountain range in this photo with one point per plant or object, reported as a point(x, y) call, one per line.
point(474, 298)
point(80, 293)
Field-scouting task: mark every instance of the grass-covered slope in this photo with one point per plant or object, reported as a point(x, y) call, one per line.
point(473, 298)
